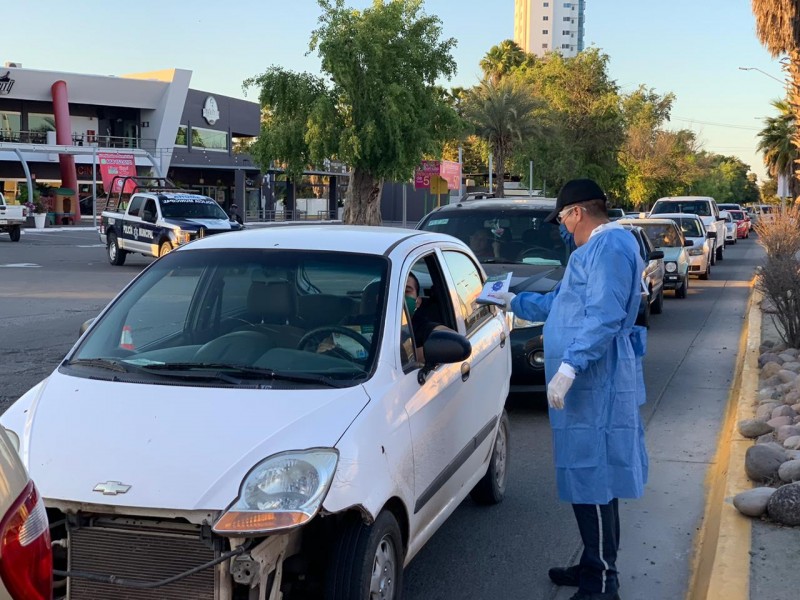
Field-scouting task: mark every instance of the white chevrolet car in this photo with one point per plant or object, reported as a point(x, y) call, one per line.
point(249, 419)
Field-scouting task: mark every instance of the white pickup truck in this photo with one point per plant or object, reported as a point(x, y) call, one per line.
point(704, 207)
point(12, 218)
point(154, 221)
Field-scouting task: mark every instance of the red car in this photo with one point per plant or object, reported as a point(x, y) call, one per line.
point(742, 223)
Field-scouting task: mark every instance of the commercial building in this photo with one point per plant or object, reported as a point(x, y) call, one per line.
point(542, 26)
point(53, 126)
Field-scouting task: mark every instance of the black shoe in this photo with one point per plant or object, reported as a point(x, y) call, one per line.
point(568, 576)
point(579, 595)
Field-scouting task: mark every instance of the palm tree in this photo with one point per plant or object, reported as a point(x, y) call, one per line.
point(502, 59)
point(778, 28)
point(776, 143)
point(503, 114)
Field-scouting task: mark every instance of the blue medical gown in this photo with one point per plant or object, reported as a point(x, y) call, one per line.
point(598, 438)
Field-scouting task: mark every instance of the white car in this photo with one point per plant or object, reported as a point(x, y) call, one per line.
point(25, 554)
point(730, 227)
point(701, 251)
point(248, 417)
point(703, 206)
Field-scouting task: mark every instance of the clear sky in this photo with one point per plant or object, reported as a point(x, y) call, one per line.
point(693, 48)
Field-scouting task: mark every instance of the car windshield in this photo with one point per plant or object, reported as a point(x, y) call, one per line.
point(700, 208)
point(511, 236)
point(737, 214)
point(191, 207)
point(689, 227)
point(244, 317)
point(662, 235)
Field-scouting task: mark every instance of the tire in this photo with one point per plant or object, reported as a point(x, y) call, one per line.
point(721, 253)
point(164, 248)
point(115, 256)
point(491, 489)
point(658, 304)
point(14, 233)
point(644, 319)
point(712, 257)
point(682, 291)
point(366, 560)
point(707, 274)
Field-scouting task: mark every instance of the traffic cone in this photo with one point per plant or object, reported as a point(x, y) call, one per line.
point(126, 339)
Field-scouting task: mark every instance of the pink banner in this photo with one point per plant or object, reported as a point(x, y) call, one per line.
point(451, 172)
point(448, 170)
point(116, 165)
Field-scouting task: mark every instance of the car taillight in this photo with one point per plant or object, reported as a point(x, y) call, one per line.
point(26, 561)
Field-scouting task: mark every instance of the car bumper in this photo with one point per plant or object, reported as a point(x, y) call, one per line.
point(698, 265)
point(673, 280)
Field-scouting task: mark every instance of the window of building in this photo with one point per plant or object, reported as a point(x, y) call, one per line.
point(567, 18)
point(182, 136)
point(565, 46)
point(565, 32)
point(544, 46)
point(545, 18)
point(41, 122)
point(10, 125)
point(546, 4)
point(545, 31)
point(567, 5)
point(209, 139)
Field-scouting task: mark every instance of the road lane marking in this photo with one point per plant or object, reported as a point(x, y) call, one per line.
point(20, 266)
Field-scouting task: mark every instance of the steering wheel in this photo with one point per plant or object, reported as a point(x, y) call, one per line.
point(538, 251)
point(316, 334)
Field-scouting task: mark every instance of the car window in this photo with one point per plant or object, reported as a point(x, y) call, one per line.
point(737, 214)
point(468, 283)
point(136, 205)
point(302, 312)
point(663, 235)
point(689, 227)
point(696, 207)
point(518, 236)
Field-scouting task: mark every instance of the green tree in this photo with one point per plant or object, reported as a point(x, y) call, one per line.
point(502, 114)
point(777, 145)
point(502, 60)
point(378, 110)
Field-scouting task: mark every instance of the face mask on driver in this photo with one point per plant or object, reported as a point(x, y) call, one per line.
point(567, 237)
point(411, 305)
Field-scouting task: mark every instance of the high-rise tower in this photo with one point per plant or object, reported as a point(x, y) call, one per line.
point(542, 26)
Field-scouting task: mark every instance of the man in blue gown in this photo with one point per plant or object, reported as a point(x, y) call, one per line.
point(593, 365)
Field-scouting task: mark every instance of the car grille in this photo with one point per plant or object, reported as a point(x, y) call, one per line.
point(141, 555)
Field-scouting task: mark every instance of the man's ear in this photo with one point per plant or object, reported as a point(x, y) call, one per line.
point(418, 301)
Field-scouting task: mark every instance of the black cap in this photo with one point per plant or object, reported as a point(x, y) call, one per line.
point(573, 192)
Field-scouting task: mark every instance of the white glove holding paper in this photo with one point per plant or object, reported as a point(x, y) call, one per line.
point(506, 297)
point(559, 386)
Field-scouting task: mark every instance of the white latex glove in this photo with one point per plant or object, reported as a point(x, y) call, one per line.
point(506, 297)
point(559, 386)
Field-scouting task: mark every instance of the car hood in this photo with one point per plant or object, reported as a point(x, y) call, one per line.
point(213, 224)
point(670, 253)
point(528, 278)
point(181, 448)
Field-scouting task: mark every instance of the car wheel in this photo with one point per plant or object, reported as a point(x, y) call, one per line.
point(644, 318)
point(658, 304)
point(683, 290)
point(721, 253)
point(115, 256)
point(712, 257)
point(491, 489)
point(164, 248)
point(14, 233)
point(367, 561)
point(707, 274)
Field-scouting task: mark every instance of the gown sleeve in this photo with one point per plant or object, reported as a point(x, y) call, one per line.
point(533, 306)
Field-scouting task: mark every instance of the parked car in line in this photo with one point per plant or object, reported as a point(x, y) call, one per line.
point(742, 223)
point(666, 236)
point(730, 227)
point(702, 249)
point(729, 206)
point(652, 277)
point(274, 432)
point(703, 206)
point(615, 214)
point(26, 564)
point(520, 242)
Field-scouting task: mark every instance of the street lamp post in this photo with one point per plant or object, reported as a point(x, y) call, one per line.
point(782, 81)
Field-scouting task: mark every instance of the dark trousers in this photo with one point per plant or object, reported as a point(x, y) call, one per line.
point(599, 528)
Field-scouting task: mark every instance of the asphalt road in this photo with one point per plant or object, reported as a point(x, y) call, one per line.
point(52, 281)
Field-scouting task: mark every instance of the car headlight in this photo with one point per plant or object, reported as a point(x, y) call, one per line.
point(695, 251)
point(283, 491)
point(183, 237)
point(671, 267)
point(519, 323)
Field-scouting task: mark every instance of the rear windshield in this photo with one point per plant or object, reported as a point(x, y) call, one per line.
point(662, 235)
point(512, 236)
point(737, 214)
point(689, 227)
point(697, 207)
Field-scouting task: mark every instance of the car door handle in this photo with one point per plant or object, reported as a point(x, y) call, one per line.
point(503, 340)
point(465, 371)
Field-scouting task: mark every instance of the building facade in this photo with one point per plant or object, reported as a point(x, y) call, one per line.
point(185, 134)
point(542, 26)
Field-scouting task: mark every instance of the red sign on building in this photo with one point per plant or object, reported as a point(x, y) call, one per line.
point(116, 165)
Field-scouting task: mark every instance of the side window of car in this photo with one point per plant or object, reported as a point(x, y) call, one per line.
point(149, 210)
point(469, 283)
point(136, 205)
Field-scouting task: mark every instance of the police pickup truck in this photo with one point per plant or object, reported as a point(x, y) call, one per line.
point(12, 218)
point(153, 222)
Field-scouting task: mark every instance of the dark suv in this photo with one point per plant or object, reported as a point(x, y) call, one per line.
point(511, 235)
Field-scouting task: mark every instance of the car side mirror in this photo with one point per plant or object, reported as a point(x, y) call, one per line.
point(711, 235)
point(656, 255)
point(443, 347)
point(688, 243)
point(85, 325)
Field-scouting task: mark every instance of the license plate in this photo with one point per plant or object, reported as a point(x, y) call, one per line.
point(3, 221)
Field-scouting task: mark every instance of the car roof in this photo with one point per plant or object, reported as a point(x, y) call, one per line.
point(360, 239)
point(685, 199)
point(679, 215)
point(646, 221)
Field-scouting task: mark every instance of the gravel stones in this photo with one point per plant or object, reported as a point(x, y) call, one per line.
point(762, 462)
point(770, 369)
point(790, 471)
point(784, 505)
point(753, 503)
point(752, 428)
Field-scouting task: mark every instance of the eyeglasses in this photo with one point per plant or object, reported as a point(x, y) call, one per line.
point(565, 213)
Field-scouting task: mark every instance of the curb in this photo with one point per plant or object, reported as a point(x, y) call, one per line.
point(721, 565)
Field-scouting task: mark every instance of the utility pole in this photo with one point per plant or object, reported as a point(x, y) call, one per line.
point(491, 170)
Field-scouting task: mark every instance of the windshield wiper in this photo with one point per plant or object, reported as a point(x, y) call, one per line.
point(102, 363)
point(227, 372)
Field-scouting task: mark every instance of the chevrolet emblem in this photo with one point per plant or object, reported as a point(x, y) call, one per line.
point(111, 488)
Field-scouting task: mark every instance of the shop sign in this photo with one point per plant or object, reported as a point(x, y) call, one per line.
point(211, 110)
point(6, 83)
point(116, 165)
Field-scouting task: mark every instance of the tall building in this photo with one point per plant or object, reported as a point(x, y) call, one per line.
point(542, 26)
